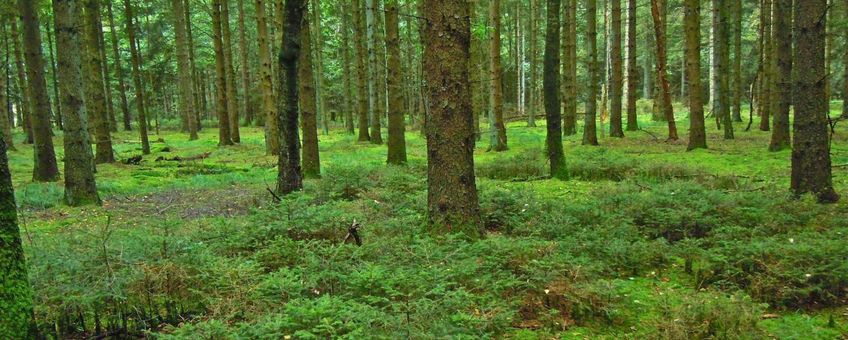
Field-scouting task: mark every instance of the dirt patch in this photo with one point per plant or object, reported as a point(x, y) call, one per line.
point(189, 204)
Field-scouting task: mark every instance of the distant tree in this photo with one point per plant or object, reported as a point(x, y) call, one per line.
point(45, 169)
point(551, 87)
point(23, 106)
point(306, 95)
point(289, 173)
point(361, 58)
point(811, 165)
point(632, 68)
point(186, 100)
point(780, 138)
point(349, 95)
point(80, 188)
point(135, 58)
point(692, 31)
point(738, 86)
point(5, 122)
point(659, 34)
point(722, 101)
point(615, 93)
point(766, 101)
point(569, 68)
point(230, 81)
point(451, 189)
point(397, 140)
point(845, 64)
point(498, 137)
point(119, 69)
point(95, 106)
point(269, 108)
point(590, 134)
point(222, 104)
point(377, 54)
point(244, 107)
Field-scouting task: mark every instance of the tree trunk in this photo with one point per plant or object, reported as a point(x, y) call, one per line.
point(5, 121)
point(246, 108)
point(137, 81)
point(222, 103)
point(232, 93)
point(590, 134)
point(197, 88)
point(80, 188)
point(767, 98)
point(46, 169)
point(845, 65)
point(24, 107)
point(811, 171)
point(738, 87)
point(58, 107)
point(119, 69)
point(498, 140)
point(349, 94)
point(722, 104)
point(186, 103)
point(616, 130)
point(397, 142)
point(659, 33)
point(632, 67)
point(16, 316)
point(376, 62)
point(569, 68)
point(272, 141)
point(451, 191)
point(95, 108)
point(107, 83)
point(289, 174)
point(780, 138)
point(308, 110)
point(553, 139)
point(692, 30)
point(362, 95)
point(318, 52)
point(534, 64)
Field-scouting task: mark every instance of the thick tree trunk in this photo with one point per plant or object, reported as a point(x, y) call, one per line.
point(452, 194)
point(780, 138)
point(95, 108)
point(119, 69)
point(308, 111)
point(232, 93)
point(377, 62)
point(80, 188)
point(692, 30)
point(659, 34)
point(362, 95)
point(397, 142)
point(553, 139)
point(616, 129)
point(269, 108)
point(186, 102)
point(16, 316)
point(632, 67)
point(590, 134)
point(222, 104)
point(289, 174)
point(498, 138)
point(811, 167)
point(137, 81)
point(46, 169)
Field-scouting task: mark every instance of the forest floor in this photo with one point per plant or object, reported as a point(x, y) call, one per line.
point(645, 240)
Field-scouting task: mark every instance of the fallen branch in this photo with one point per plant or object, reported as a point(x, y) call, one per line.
point(353, 231)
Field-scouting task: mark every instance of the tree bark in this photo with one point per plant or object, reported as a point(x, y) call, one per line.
point(5, 121)
point(46, 169)
point(222, 103)
point(632, 67)
point(780, 138)
point(272, 141)
point(119, 69)
point(361, 70)
point(738, 87)
point(590, 134)
point(569, 68)
point(24, 107)
point(308, 111)
point(289, 173)
point(186, 102)
point(722, 104)
point(498, 140)
point(57, 113)
point(246, 108)
point(845, 65)
point(811, 167)
point(232, 93)
point(616, 129)
point(692, 30)
point(137, 81)
point(349, 93)
point(767, 98)
point(659, 34)
point(197, 86)
point(553, 139)
point(80, 188)
point(95, 108)
point(397, 142)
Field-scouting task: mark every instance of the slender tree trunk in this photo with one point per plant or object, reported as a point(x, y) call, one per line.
point(361, 70)
point(616, 129)
point(811, 165)
point(767, 98)
point(452, 194)
point(499, 142)
point(553, 139)
point(232, 93)
point(137, 81)
point(659, 34)
point(349, 92)
point(186, 103)
point(780, 138)
point(272, 141)
point(308, 111)
point(107, 82)
point(24, 107)
point(16, 316)
point(5, 121)
point(377, 62)
point(714, 50)
point(80, 188)
point(57, 112)
point(46, 169)
point(569, 68)
point(534, 61)
point(246, 110)
point(632, 67)
point(318, 52)
point(290, 175)
point(845, 64)
point(96, 106)
point(590, 134)
point(397, 142)
point(198, 89)
point(738, 87)
point(722, 104)
point(692, 29)
point(222, 103)
point(119, 69)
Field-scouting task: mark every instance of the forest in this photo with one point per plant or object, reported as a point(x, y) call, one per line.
point(423, 169)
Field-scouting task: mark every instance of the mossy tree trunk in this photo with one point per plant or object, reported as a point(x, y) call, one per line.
point(665, 92)
point(5, 121)
point(186, 100)
point(80, 188)
point(811, 164)
point(397, 141)
point(780, 138)
point(269, 108)
point(289, 173)
point(615, 93)
point(362, 96)
point(308, 109)
point(135, 59)
point(632, 67)
point(46, 169)
point(590, 133)
point(119, 69)
point(553, 139)
point(569, 68)
point(96, 108)
point(222, 103)
point(452, 201)
point(692, 31)
point(498, 138)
